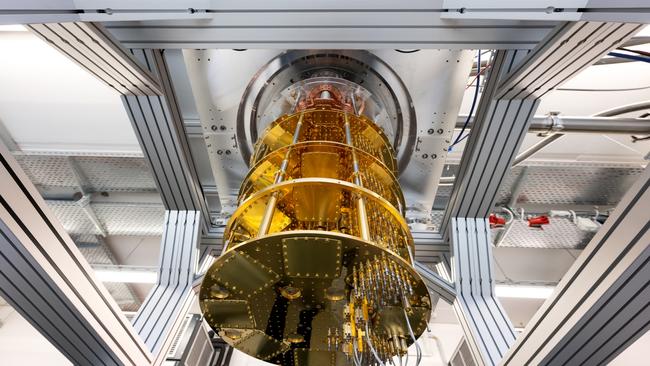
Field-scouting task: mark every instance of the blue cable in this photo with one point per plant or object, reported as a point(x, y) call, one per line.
point(629, 57)
point(471, 110)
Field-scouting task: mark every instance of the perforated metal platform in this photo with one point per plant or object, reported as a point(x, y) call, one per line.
point(117, 219)
point(575, 183)
point(103, 174)
point(562, 233)
point(96, 252)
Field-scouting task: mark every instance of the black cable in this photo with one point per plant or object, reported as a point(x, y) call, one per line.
point(471, 110)
point(407, 51)
point(638, 52)
point(630, 57)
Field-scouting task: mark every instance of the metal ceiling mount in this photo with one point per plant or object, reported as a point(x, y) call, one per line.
point(360, 67)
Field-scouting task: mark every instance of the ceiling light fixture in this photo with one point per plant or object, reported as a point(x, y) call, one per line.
point(523, 291)
point(125, 274)
point(13, 28)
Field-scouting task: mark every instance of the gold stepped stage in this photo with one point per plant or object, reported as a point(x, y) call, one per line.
point(317, 267)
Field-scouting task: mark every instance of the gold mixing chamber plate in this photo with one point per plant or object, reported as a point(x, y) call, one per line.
point(271, 297)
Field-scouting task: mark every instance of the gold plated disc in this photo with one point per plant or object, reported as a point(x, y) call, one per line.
point(318, 263)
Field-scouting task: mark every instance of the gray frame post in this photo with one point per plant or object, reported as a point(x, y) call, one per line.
point(48, 281)
point(162, 313)
point(160, 130)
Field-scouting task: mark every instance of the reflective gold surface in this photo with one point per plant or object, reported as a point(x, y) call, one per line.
point(318, 262)
point(327, 125)
point(326, 160)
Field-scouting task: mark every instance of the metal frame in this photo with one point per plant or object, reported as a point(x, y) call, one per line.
point(517, 81)
point(161, 314)
point(601, 305)
point(487, 328)
point(45, 278)
point(90, 46)
point(86, 317)
point(160, 130)
point(332, 25)
point(573, 124)
point(493, 143)
point(633, 11)
point(437, 283)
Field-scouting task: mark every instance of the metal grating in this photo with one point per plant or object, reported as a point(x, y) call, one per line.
point(436, 219)
point(104, 174)
point(72, 217)
point(571, 184)
point(96, 252)
point(139, 219)
point(117, 219)
point(110, 174)
point(47, 171)
point(182, 330)
point(562, 184)
point(562, 233)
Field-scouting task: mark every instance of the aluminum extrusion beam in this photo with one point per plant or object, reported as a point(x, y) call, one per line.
point(487, 327)
point(415, 24)
point(90, 46)
point(162, 313)
point(569, 49)
point(47, 11)
point(511, 95)
point(159, 128)
point(517, 81)
point(500, 127)
point(601, 305)
point(285, 24)
point(48, 281)
point(629, 11)
point(436, 283)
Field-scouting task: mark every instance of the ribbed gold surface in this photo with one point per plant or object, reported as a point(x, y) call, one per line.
point(318, 249)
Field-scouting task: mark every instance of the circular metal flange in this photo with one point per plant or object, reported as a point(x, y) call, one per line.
point(262, 321)
point(357, 66)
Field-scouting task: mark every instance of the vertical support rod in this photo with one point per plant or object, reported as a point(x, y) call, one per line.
point(273, 200)
point(361, 205)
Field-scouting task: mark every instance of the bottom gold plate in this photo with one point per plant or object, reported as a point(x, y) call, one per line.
point(284, 298)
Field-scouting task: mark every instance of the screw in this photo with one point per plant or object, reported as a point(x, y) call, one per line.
point(430, 131)
point(219, 152)
point(214, 127)
point(424, 156)
point(222, 128)
point(440, 131)
point(227, 152)
point(433, 156)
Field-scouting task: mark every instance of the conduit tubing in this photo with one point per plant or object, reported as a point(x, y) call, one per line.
point(600, 125)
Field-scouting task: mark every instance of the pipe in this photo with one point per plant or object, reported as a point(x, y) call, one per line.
point(629, 108)
point(364, 228)
point(535, 148)
point(601, 124)
point(265, 225)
